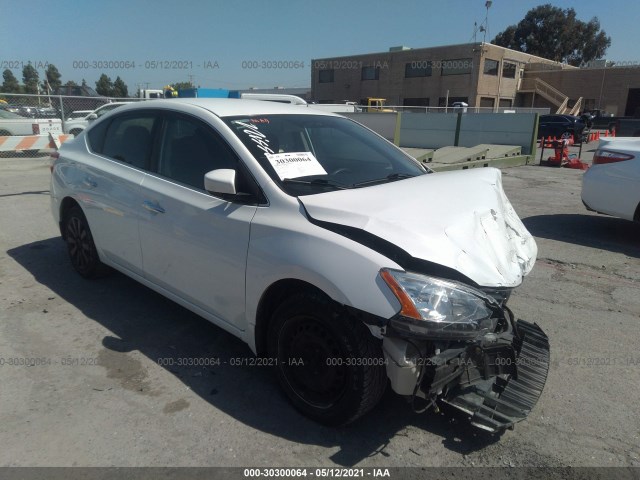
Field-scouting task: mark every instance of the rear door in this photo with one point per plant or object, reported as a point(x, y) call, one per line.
point(110, 185)
point(194, 245)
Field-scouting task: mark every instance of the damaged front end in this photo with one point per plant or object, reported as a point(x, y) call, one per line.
point(460, 346)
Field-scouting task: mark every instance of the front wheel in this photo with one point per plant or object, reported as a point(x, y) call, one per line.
point(329, 365)
point(80, 245)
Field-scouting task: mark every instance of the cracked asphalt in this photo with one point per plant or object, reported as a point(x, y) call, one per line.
point(100, 391)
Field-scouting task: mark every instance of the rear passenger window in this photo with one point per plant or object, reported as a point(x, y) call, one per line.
point(128, 139)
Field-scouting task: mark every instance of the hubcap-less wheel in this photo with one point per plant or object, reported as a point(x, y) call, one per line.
point(329, 364)
point(310, 357)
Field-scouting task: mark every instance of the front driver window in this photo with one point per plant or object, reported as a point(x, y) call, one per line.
point(190, 149)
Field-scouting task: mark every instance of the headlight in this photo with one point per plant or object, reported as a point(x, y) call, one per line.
point(436, 308)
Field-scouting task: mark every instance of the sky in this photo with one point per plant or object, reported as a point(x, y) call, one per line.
point(253, 43)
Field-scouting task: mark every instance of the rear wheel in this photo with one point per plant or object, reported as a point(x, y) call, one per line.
point(80, 245)
point(329, 365)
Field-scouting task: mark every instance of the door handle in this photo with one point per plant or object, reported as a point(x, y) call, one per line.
point(153, 207)
point(87, 182)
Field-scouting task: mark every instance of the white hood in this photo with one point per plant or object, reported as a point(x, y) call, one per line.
point(462, 220)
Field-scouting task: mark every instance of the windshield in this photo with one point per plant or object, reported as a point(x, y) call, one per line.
point(308, 154)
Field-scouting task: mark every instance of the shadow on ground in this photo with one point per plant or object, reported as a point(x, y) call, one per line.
point(142, 320)
point(606, 233)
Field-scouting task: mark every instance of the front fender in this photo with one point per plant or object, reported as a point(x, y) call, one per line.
point(346, 271)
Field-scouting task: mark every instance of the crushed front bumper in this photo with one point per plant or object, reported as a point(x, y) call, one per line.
point(498, 403)
point(496, 382)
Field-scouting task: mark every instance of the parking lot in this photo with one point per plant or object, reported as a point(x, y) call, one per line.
point(98, 389)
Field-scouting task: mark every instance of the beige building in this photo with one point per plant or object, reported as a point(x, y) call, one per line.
point(480, 74)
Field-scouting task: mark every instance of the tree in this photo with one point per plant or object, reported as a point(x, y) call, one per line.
point(556, 34)
point(120, 89)
point(104, 86)
point(181, 85)
point(10, 83)
point(30, 79)
point(52, 76)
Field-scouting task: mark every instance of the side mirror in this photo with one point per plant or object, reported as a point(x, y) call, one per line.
point(219, 181)
point(92, 116)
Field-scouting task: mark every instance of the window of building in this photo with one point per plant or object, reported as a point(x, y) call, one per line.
point(487, 102)
point(509, 70)
point(325, 76)
point(416, 102)
point(506, 103)
point(491, 66)
point(370, 73)
point(456, 66)
point(419, 68)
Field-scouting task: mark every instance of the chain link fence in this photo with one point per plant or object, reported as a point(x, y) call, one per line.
point(404, 108)
point(58, 111)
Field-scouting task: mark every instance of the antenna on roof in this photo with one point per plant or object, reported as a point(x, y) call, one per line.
point(485, 28)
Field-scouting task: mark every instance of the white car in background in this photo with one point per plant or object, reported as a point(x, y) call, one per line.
point(14, 124)
point(77, 125)
point(78, 114)
point(612, 183)
point(341, 261)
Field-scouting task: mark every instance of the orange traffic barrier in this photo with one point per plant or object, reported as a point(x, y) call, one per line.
point(32, 142)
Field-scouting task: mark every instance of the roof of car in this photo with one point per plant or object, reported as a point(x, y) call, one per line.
point(229, 107)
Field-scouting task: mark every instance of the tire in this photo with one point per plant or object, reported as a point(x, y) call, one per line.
point(566, 135)
point(329, 364)
point(80, 244)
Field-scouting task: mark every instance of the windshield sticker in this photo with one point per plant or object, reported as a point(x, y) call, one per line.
point(256, 136)
point(294, 165)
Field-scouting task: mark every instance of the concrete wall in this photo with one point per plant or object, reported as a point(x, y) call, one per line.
point(467, 130)
point(382, 123)
point(427, 130)
point(498, 128)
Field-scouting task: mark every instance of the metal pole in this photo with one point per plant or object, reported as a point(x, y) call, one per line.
point(61, 112)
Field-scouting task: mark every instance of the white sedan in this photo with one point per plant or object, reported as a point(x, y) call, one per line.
point(612, 183)
point(78, 124)
point(340, 260)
